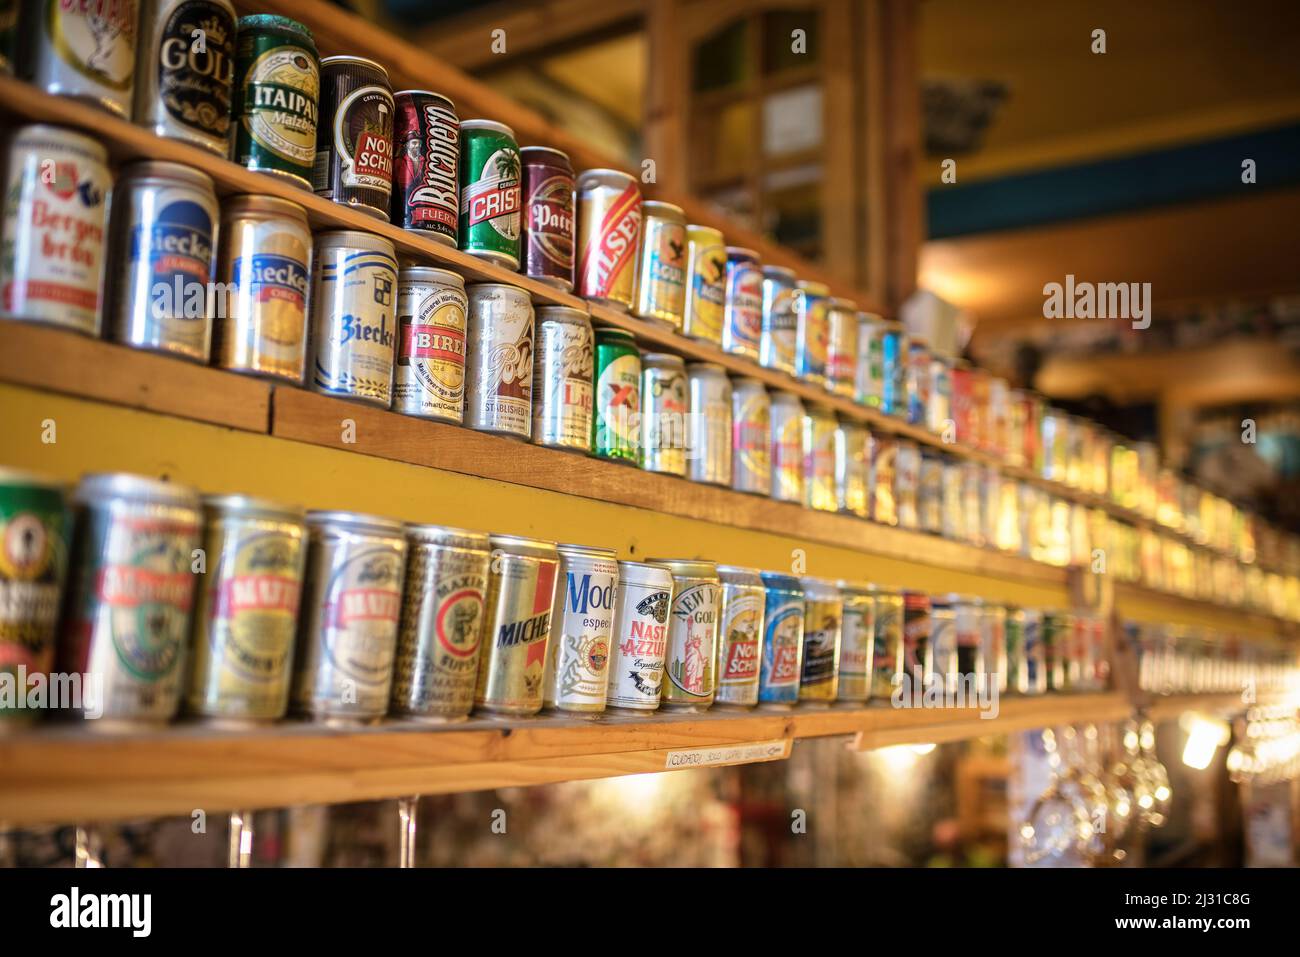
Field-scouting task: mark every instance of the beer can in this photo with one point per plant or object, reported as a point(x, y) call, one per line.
point(264, 265)
point(964, 414)
point(852, 468)
point(162, 235)
point(659, 291)
point(52, 268)
point(917, 382)
point(354, 142)
point(787, 445)
point(751, 427)
point(869, 380)
point(952, 515)
point(918, 650)
point(973, 501)
point(35, 528)
point(520, 597)
point(499, 386)
point(616, 424)
point(352, 602)
point(907, 484)
point(887, 656)
point(562, 379)
point(441, 627)
point(353, 326)
point(776, 347)
point(929, 492)
point(970, 651)
point(740, 636)
point(609, 236)
point(708, 430)
point(664, 407)
point(781, 664)
point(993, 646)
point(82, 50)
point(884, 464)
point(842, 347)
point(640, 636)
point(812, 331)
point(490, 194)
point(1078, 665)
point(277, 97)
point(893, 366)
point(823, 619)
point(742, 319)
point(430, 372)
point(1033, 651)
point(1057, 627)
point(183, 91)
point(1000, 423)
point(426, 165)
point(130, 595)
point(939, 410)
point(547, 245)
point(819, 458)
point(691, 658)
point(706, 284)
point(943, 642)
point(246, 610)
point(578, 650)
point(857, 641)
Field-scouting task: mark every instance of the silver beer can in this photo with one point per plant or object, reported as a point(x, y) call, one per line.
point(130, 596)
point(952, 516)
point(353, 317)
point(841, 347)
point(993, 646)
point(776, 345)
point(352, 602)
point(869, 384)
point(823, 619)
point(659, 291)
point(562, 379)
point(812, 330)
point(907, 481)
point(742, 318)
point(929, 492)
point(499, 393)
point(578, 651)
point(852, 468)
point(691, 659)
point(740, 635)
point(943, 639)
point(751, 427)
point(819, 458)
point(640, 636)
point(709, 424)
point(857, 641)
point(163, 239)
point(430, 372)
point(82, 50)
point(663, 413)
point(441, 628)
point(787, 446)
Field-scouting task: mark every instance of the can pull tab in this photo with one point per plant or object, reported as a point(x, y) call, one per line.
point(407, 812)
point(241, 839)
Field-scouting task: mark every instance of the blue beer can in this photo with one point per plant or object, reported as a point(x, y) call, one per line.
point(893, 349)
point(782, 662)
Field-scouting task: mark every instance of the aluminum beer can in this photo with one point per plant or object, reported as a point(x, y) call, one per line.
point(277, 97)
point(970, 650)
point(1017, 672)
point(782, 651)
point(182, 91)
point(499, 386)
point(751, 428)
point(893, 366)
point(520, 597)
point(857, 641)
point(130, 595)
point(562, 379)
point(616, 424)
point(823, 623)
point(246, 611)
point(917, 382)
point(869, 381)
point(426, 164)
point(441, 627)
point(939, 409)
point(659, 291)
point(354, 143)
point(490, 194)
point(887, 657)
point(787, 445)
point(609, 235)
point(742, 320)
point(819, 458)
point(776, 347)
point(929, 492)
point(842, 347)
point(907, 484)
point(852, 468)
point(691, 658)
point(163, 238)
point(640, 636)
point(740, 636)
point(1057, 629)
point(706, 284)
point(264, 264)
point(708, 428)
point(884, 466)
point(578, 650)
point(430, 373)
point(352, 602)
point(664, 407)
point(353, 322)
point(943, 641)
point(993, 646)
point(918, 650)
point(35, 529)
point(82, 50)
point(1033, 650)
point(952, 517)
point(812, 332)
point(52, 234)
point(547, 245)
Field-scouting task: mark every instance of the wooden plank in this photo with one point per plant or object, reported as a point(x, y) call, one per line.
point(903, 152)
point(58, 360)
point(666, 120)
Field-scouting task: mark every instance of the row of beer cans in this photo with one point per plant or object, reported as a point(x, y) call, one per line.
point(1177, 659)
point(236, 609)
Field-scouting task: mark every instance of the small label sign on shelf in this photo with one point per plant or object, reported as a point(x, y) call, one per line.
point(752, 752)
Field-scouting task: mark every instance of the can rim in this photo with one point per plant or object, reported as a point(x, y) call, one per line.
point(100, 485)
point(866, 315)
point(15, 476)
point(670, 357)
point(565, 548)
point(544, 149)
point(604, 171)
point(441, 96)
point(739, 570)
point(658, 205)
point(742, 251)
point(278, 22)
point(705, 568)
point(164, 168)
point(748, 378)
point(848, 305)
point(352, 58)
point(616, 332)
point(816, 581)
point(577, 315)
point(703, 228)
point(858, 587)
point(83, 140)
point(706, 366)
point(633, 563)
point(498, 285)
point(326, 516)
point(813, 286)
point(355, 237)
point(430, 531)
point(778, 270)
point(248, 201)
point(521, 541)
point(429, 272)
point(238, 502)
point(492, 125)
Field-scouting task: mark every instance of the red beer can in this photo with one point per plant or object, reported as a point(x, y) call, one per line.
point(426, 154)
point(548, 216)
point(963, 402)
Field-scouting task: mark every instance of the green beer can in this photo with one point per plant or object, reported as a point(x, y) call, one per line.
point(616, 426)
point(277, 97)
point(489, 192)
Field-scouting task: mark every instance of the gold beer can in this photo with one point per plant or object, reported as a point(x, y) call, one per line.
point(691, 658)
point(823, 617)
point(706, 277)
point(660, 287)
